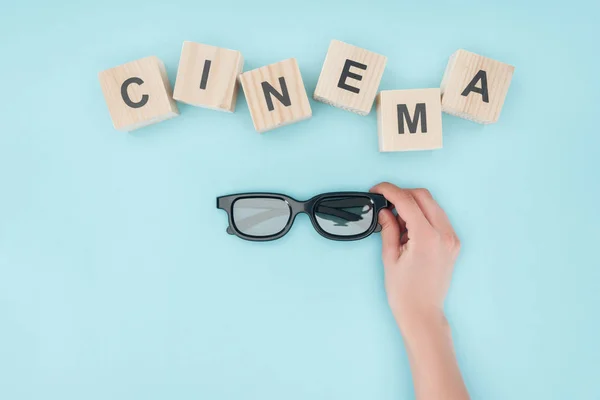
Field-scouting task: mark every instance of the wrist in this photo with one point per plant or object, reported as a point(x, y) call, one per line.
point(421, 322)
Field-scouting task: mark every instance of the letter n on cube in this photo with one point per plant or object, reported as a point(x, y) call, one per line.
point(276, 95)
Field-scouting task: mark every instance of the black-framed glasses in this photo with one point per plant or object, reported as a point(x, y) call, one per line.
point(269, 216)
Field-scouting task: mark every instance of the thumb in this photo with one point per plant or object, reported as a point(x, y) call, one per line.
point(390, 235)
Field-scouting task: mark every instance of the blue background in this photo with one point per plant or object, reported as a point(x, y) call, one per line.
point(118, 281)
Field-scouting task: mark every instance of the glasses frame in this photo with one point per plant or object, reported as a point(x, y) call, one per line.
point(298, 207)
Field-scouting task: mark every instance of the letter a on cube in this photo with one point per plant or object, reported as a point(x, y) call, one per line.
point(350, 77)
point(276, 95)
point(409, 120)
point(138, 94)
point(474, 87)
point(207, 76)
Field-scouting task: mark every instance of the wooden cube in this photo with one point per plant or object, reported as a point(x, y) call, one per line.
point(207, 76)
point(474, 87)
point(350, 77)
point(276, 95)
point(138, 94)
point(409, 120)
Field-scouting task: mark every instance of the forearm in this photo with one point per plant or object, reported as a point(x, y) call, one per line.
point(432, 360)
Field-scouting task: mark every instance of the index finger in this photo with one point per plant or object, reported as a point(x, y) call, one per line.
point(405, 204)
point(432, 211)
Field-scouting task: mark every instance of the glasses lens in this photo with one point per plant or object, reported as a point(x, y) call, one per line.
point(260, 216)
point(345, 216)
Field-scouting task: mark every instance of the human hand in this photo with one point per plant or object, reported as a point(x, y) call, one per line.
point(419, 248)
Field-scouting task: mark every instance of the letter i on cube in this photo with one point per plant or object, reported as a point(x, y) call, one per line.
point(208, 76)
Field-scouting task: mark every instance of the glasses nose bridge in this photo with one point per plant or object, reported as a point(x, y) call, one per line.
point(299, 206)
